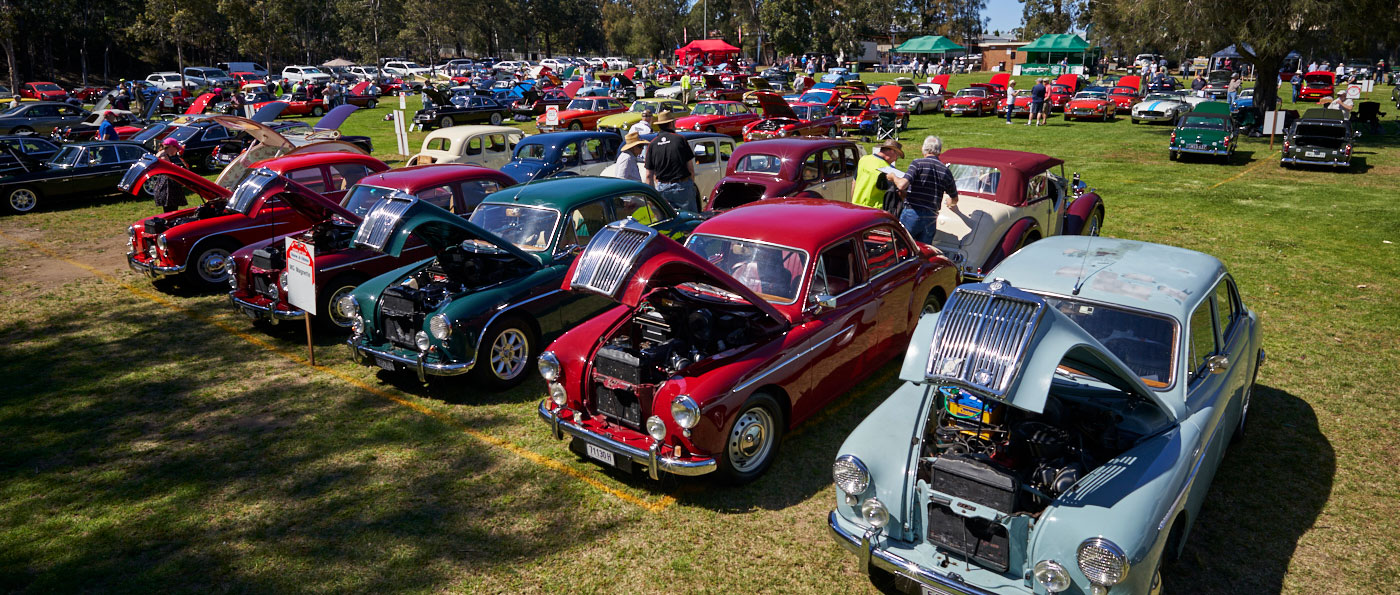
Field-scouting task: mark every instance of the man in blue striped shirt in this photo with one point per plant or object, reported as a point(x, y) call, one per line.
point(929, 179)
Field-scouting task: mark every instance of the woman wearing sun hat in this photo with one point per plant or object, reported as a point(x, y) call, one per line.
point(168, 194)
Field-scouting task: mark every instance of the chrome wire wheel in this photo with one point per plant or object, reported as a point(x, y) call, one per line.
point(1095, 222)
point(509, 354)
point(23, 200)
point(751, 439)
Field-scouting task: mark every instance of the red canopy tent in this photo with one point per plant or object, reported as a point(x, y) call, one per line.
point(706, 51)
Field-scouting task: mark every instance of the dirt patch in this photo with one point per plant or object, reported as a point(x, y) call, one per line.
point(27, 269)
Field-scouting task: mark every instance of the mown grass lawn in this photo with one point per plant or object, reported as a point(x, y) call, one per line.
point(157, 441)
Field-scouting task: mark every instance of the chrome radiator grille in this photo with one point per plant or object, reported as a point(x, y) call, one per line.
point(982, 333)
point(381, 221)
point(605, 264)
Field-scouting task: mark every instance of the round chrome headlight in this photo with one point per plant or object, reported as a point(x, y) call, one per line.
point(874, 513)
point(549, 366)
point(685, 412)
point(1052, 576)
point(275, 294)
point(850, 475)
point(557, 394)
point(440, 327)
point(231, 269)
point(1102, 561)
point(348, 306)
point(281, 279)
point(421, 340)
point(656, 428)
point(160, 242)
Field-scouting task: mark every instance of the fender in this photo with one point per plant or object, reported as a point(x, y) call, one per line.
point(1014, 236)
point(1079, 212)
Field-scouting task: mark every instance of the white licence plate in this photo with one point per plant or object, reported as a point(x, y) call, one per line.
point(1196, 147)
point(600, 454)
point(1315, 154)
point(927, 590)
point(385, 364)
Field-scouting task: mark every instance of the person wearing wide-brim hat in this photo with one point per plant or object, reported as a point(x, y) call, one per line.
point(670, 164)
point(626, 165)
point(665, 121)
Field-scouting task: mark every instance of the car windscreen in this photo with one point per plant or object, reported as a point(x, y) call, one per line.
point(1144, 342)
point(759, 163)
point(979, 179)
point(1162, 97)
point(149, 132)
point(252, 186)
point(16, 110)
point(362, 198)
point(972, 93)
point(48, 87)
point(773, 272)
point(1203, 122)
point(1059, 89)
point(67, 156)
point(815, 97)
point(586, 104)
point(1090, 95)
point(1124, 91)
point(1317, 83)
point(708, 109)
point(529, 228)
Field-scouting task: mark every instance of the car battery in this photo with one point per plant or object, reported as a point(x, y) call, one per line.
point(971, 412)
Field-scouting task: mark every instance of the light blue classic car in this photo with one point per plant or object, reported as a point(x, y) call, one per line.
point(1058, 427)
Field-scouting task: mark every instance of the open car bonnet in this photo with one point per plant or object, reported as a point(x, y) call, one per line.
point(889, 92)
point(760, 83)
point(1000, 79)
point(436, 96)
point(269, 112)
point(334, 118)
point(626, 260)
point(774, 106)
point(149, 165)
point(1133, 81)
point(259, 131)
point(712, 81)
point(1218, 77)
point(389, 223)
point(263, 182)
point(1326, 78)
point(1000, 342)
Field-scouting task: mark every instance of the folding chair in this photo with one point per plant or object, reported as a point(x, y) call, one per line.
point(887, 126)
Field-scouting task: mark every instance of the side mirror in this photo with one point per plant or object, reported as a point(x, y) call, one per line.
point(568, 250)
point(823, 301)
point(1217, 363)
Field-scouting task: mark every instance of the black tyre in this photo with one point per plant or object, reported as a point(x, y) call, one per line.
point(947, 114)
point(22, 130)
point(317, 111)
point(751, 440)
point(205, 266)
point(904, 124)
point(496, 119)
point(833, 132)
point(371, 104)
point(445, 122)
point(932, 304)
point(576, 125)
point(919, 108)
point(1171, 155)
point(330, 317)
point(22, 200)
point(506, 353)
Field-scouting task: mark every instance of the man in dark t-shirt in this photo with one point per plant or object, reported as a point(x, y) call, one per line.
point(1037, 103)
point(671, 166)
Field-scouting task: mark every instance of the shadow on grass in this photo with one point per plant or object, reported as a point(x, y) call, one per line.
point(1268, 492)
point(68, 203)
point(151, 453)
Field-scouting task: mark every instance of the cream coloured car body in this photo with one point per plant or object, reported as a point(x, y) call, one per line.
point(970, 232)
point(459, 138)
point(711, 158)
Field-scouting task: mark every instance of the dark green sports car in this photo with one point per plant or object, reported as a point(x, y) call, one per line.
point(1205, 130)
point(492, 297)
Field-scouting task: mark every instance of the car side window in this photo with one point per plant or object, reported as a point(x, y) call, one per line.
point(637, 206)
point(884, 249)
point(440, 196)
point(33, 146)
point(594, 152)
point(473, 146)
point(810, 169)
point(1038, 187)
point(215, 133)
point(496, 143)
point(345, 175)
point(1226, 307)
point(838, 270)
point(704, 152)
point(310, 177)
point(831, 164)
point(104, 155)
point(850, 156)
point(584, 222)
point(726, 149)
point(44, 111)
point(127, 154)
point(1202, 338)
point(569, 155)
point(68, 110)
point(475, 191)
point(439, 144)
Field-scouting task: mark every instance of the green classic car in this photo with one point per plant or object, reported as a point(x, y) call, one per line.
point(1205, 130)
point(492, 297)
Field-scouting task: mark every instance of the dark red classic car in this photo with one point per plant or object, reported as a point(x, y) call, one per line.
point(196, 242)
point(978, 99)
point(723, 117)
point(810, 167)
point(719, 347)
point(298, 104)
point(781, 119)
point(534, 102)
point(43, 91)
point(857, 108)
point(716, 89)
point(258, 288)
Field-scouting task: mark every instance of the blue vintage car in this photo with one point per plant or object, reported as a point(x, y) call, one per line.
point(1058, 428)
point(562, 153)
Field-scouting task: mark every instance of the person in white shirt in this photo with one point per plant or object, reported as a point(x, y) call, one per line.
point(643, 126)
point(626, 165)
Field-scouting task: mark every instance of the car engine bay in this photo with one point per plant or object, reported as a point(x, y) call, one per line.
point(457, 270)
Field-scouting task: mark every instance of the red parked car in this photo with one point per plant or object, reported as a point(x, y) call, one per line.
point(582, 113)
point(1021, 105)
point(298, 104)
point(197, 242)
point(258, 288)
point(717, 348)
point(724, 117)
point(781, 119)
point(535, 102)
point(858, 108)
point(809, 167)
point(716, 89)
point(1091, 103)
point(247, 78)
point(1126, 92)
point(43, 91)
point(1317, 85)
point(1062, 89)
point(979, 99)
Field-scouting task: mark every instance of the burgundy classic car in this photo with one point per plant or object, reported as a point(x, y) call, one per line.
point(781, 119)
point(196, 242)
point(719, 347)
point(258, 288)
point(809, 167)
point(724, 117)
point(535, 102)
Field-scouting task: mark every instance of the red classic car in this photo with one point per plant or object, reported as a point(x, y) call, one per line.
point(1021, 105)
point(1126, 92)
point(724, 117)
point(258, 288)
point(43, 91)
point(1091, 103)
point(582, 113)
point(534, 102)
point(857, 108)
point(298, 104)
point(247, 78)
point(978, 99)
point(1062, 89)
point(716, 89)
point(363, 94)
point(1317, 85)
point(999, 81)
point(719, 347)
point(126, 123)
point(810, 167)
point(197, 242)
point(781, 119)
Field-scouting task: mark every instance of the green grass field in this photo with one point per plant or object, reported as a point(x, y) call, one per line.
point(156, 441)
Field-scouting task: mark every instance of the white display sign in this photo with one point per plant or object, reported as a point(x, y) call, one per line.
point(641, 90)
point(551, 115)
point(301, 275)
point(1354, 91)
point(1273, 123)
point(403, 101)
point(1368, 86)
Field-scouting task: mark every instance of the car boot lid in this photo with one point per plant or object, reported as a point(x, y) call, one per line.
point(1006, 344)
point(269, 111)
point(774, 106)
point(389, 223)
point(626, 260)
point(438, 98)
point(259, 131)
point(263, 182)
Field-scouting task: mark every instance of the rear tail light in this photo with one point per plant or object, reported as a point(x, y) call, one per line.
point(1173, 139)
point(1348, 150)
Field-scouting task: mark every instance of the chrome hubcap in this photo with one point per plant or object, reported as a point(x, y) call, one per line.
point(23, 200)
point(339, 318)
point(1094, 226)
point(508, 354)
point(211, 266)
point(749, 441)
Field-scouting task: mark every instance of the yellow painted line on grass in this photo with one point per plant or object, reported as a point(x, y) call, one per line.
point(1246, 170)
point(658, 505)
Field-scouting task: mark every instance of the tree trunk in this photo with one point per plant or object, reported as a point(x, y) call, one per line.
point(1266, 69)
point(180, 62)
point(10, 61)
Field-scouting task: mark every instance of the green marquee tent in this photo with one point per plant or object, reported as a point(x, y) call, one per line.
point(1051, 47)
point(929, 44)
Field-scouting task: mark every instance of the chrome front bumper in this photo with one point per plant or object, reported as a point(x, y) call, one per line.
point(256, 311)
point(369, 356)
point(863, 546)
point(650, 458)
point(150, 269)
point(1147, 118)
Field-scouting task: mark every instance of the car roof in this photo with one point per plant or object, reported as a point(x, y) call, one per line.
point(804, 223)
point(1211, 107)
point(461, 132)
point(1318, 113)
point(790, 146)
point(103, 143)
point(567, 136)
point(1001, 158)
point(689, 136)
point(1154, 277)
point(414, 178)
point(289, 162)
point(567, 192)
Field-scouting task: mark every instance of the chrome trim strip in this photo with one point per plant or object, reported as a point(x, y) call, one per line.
point(871, 554)
point(1303, 161)
point(782, 364)
point(266, 311)
point(645, 457)
point(415, 363)
point(1203, 151)
point(503, 308)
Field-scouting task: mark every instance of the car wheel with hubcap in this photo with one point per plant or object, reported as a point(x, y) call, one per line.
point(918, 108)
point(932, 304)
point(445, 122)
point(751, 441)
point(22, 130)
point(22, 199)
point(833, 132)
point(317, 111)
point(329, 317)
point(576, 125)
point(1095, 222)
point(496, 119)
point(205, 267)
point(506, 353)
point(371, 104)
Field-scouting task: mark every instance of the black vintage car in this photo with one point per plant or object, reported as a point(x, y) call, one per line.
point(79, 169)
point(39, 118)
point(199, 139)
point(24, 153)
point(478, 109)
point(1320, 137)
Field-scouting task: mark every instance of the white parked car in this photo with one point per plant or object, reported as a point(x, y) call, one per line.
point(405, 68)
point(366, 73)
point(596, 62)
point(556, 64)
point(615, 63)
point(305, 74)
point(204, 76)
point(169, 81)
point(486, 146)
point(511, 66)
